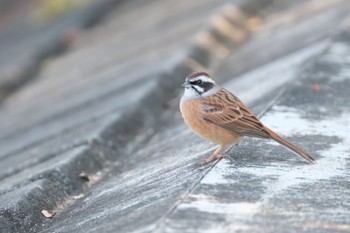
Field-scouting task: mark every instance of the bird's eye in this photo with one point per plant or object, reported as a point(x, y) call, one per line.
point(199, 82)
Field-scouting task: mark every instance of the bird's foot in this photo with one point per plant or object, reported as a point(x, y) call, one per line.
point(212, 157)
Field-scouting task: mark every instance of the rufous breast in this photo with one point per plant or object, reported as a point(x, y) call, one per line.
point(192, 114)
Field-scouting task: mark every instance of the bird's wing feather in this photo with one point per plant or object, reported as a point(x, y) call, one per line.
point(227, 111)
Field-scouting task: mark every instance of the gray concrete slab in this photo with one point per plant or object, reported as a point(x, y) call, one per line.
point(151, 197)
point(261, 187)
point(49, 119)
point(95, 95)
point(284, 32)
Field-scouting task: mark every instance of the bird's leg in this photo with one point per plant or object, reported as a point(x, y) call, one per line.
point(215, 155)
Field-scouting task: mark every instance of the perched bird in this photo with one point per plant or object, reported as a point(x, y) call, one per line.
point(217, 115)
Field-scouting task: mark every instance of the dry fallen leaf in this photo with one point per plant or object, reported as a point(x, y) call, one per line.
point(84, 176)
point(47, 214)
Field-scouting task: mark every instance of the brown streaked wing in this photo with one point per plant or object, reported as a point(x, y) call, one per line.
point(227, 111)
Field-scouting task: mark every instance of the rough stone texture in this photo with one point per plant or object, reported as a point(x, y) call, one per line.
point(141, 197)
point(255, 191)
point(286, 31)
point(101, 144)
point(96, 110)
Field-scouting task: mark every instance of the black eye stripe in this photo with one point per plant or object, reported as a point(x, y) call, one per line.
point(197, 82)
point(205, 86)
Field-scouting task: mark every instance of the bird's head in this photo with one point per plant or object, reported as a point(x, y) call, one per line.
point(199, 84)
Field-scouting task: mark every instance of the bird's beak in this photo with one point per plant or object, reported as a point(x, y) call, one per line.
point(185, 84)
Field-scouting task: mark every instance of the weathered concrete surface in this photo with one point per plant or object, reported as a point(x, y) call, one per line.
point(129, 146)
point(140, 197)
point(286, 31)
point(263, 188)
point(81, 119)
point(94, 98)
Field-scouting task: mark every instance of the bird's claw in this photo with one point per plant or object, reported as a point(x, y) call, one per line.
point(213, 157)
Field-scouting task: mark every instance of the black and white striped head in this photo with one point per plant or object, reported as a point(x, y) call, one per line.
point(199, 84)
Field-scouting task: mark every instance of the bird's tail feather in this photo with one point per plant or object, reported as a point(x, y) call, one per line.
point(296, 150)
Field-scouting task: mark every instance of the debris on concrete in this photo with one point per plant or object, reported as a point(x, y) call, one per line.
point(47, 214)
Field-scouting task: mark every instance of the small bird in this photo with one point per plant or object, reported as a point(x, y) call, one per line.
point(217, 115)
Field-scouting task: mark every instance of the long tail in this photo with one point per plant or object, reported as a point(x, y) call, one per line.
point(296, 150)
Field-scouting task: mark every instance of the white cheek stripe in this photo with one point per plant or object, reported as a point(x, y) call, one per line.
point(204, 79)
point(199, 89)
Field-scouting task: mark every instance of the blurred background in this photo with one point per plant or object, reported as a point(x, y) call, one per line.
point(84, 53)
point(32, 31)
